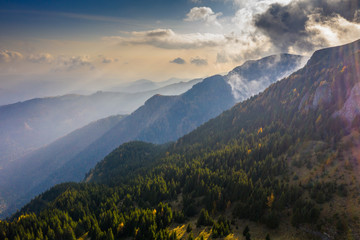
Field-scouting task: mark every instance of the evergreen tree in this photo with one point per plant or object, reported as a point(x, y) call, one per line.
point(246, 230)
point(188, 228)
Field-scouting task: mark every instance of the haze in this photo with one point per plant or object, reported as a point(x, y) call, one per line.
point(52, 48)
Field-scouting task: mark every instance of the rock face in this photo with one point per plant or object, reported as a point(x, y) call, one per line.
point(322, 94)
point(351, 107)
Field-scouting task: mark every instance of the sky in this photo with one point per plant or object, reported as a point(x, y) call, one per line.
point(56, 47)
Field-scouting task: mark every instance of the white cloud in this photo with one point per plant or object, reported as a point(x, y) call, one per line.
point(333, 31)
point(9, 56)
point(40, 58)
point(204, 14)
point(72, 63)
point(236, 47)
point(168, 39)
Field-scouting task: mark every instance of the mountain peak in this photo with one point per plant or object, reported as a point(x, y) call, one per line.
point(157, 100)
point(334, 85)
point(255, 75)
point(332, 55)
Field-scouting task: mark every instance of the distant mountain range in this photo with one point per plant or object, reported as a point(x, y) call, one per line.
point(26, 126)
point(35, 166)
point(144, 85)
point(159, 120)
point(285, 161)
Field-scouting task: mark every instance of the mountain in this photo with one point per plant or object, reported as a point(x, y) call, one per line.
point(37, 165)
point(144, 85)
point(284, 162)
point(29, 125)
point(139, 85)
point(254, 76)
point(160, 119)
point(166, 118)
point(171, 81)
point(176, 88)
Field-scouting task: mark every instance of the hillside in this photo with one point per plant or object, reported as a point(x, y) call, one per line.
point(287, 155)
point(160, 119)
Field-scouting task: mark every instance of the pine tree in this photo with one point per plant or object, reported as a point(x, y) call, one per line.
point(188, 228)
point(191, 236)
point(110, 235)
point(246, 230)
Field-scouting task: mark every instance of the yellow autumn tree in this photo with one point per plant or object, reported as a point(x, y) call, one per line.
point(270, 200)
point(120, 227)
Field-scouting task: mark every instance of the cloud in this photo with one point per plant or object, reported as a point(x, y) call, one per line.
point(237, 47)
point(248, 41)
point(222, 57)
point(40, 58)
point(105, 60)
point(309, 24)
point(331, 31)
point(9, 56)
point(168, 39)
point(73, 63)
point(108, 60)
point(258, 28)
point(251, 46)
point(246, 10)
point(204, 14)
point(178, 61)
point(199, 61)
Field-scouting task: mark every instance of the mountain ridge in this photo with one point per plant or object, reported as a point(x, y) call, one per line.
point(28, 125)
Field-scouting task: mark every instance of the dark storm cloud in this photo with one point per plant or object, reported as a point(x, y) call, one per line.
point(286, 25)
